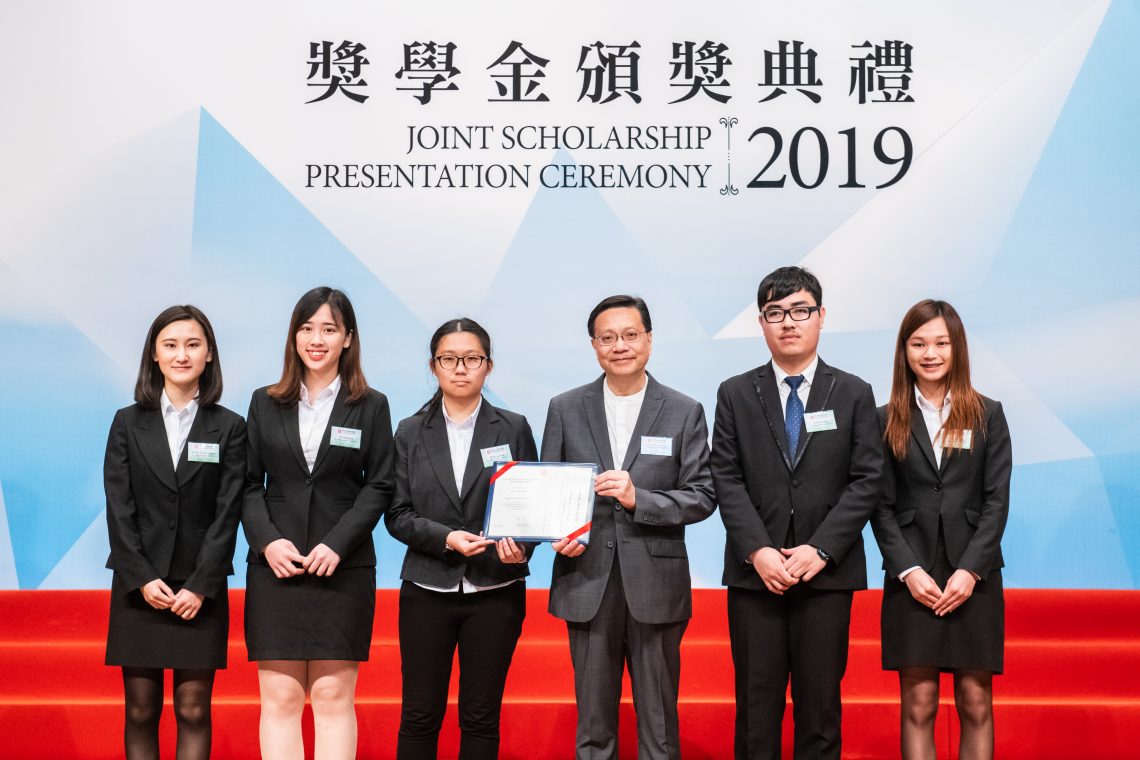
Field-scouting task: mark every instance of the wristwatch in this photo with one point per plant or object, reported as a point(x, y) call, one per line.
point(822, 554)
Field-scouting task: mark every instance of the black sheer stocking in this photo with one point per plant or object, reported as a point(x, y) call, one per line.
point(192, 690)
point(142, 689)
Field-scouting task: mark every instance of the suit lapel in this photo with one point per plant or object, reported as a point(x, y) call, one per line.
point(922, 436)
point(650, 411)
point(155, 448)
point(486, 435)
point(818, 396)
point(439, 454)
point(291, 429)
point(338, 418)
point(765, 384)
point(203, 430)
point(595, 407)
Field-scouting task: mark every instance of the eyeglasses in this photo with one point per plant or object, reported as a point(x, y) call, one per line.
point(449, 362)
point(629, 336)
point(775, 315)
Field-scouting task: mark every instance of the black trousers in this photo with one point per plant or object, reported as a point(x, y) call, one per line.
point(802, 634)
point(485, 627)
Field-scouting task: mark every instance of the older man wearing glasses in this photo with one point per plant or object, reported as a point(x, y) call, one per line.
point(626, 596)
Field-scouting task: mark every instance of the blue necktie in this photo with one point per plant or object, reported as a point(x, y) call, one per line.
point(793, 414)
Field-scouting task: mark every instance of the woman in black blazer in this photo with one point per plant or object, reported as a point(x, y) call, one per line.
point(173, 475)
point(460, 590)
point(939, 526)
point(319, 476)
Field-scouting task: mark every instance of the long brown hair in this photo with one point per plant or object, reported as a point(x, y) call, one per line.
point(150, 381)
point(287, 390)
point(966, 409)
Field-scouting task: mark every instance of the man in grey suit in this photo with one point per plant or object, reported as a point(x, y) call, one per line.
point(626, 596)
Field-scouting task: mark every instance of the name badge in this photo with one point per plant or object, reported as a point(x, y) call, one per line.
point(346, 437)
point(494, 454)
point(817, 422)
point(657, 447)
point(963, 443)
point(203, 452)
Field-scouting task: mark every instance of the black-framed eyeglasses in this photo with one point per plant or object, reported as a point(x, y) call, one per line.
point(629, 336)
point(449, 362)
point(775, 314)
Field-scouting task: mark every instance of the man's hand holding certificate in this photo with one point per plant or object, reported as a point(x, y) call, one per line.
point(541, 501)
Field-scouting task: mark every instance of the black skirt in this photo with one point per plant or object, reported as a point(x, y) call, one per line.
point(971, 637)
point(139, 636)
point(308, 617)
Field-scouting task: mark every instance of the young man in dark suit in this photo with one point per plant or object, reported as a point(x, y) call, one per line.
point(626, 597)
point(796, 460)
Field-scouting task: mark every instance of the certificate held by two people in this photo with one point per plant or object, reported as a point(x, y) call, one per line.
point(541, 501)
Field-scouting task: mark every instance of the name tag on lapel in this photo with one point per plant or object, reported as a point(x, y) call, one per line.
point(209, 453)
point(817, 422)
point(346, 437)
point(962, 443)
point(494, 454)
point(656, 447)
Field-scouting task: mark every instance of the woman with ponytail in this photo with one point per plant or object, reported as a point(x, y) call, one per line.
point(459, 589)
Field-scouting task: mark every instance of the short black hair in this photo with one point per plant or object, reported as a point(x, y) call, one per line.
point(620, 302)
point(150, 380)
point(785, 281)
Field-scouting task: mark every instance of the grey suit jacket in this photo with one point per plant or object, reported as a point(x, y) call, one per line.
point(672, 492)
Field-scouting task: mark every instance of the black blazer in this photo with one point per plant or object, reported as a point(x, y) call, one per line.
point(340, 502)
point(969, 493)
point(178, 524)
point(427, 507)
point(829, 487)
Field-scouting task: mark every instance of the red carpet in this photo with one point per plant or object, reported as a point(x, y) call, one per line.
point(1071, 689)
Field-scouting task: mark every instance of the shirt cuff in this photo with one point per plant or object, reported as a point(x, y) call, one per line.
point(908, 571)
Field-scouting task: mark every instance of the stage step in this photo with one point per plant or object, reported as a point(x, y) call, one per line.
point(1069, 690)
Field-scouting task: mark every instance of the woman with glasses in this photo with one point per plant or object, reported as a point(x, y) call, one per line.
point(459, 589)
point(319, 476)
point(939, 526)
point(174, 475)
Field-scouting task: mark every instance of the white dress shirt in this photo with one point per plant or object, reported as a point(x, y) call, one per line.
point(786, 390)
point(177, 423)
point(621, 418)
point(459, 438)
point(313, 419)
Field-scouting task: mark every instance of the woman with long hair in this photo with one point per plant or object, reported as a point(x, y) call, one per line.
point(319, 477)
point(174, 475)
point(939, 526)
point(459, 589)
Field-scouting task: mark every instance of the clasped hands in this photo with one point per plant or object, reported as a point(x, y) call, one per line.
point(285, 561)
point(943, 601)
point(185, 603)
point(780, 569)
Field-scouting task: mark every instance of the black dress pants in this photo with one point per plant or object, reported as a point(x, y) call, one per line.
point(802, 634)
point(485, 626)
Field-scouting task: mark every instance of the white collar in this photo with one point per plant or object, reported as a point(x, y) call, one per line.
point(808, 373)
point(332, 389)
point(467, 424)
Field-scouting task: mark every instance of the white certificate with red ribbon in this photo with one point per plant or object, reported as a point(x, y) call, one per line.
point(540, 501)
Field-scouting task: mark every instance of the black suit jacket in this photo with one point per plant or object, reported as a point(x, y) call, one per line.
point(178, 524)
point(340, 502)
point(829, 487)
point(969, 493)
point(427, 506)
